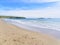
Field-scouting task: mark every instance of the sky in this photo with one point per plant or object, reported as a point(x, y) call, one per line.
point(30, 8)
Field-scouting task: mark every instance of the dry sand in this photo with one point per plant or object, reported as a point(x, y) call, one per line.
point(12, 35)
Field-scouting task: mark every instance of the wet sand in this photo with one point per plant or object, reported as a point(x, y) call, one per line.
point(13, 35)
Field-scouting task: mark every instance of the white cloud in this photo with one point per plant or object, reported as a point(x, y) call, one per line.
point(52, 12)
point(47, 12)
point(38, 1)
point(30, 1)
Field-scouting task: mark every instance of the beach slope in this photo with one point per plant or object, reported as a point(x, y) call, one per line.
point(12, 35)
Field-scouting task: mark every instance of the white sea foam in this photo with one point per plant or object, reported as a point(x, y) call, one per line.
point(34, 23)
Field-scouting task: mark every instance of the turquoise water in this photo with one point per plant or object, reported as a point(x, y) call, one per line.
point(46, 26)
point(50, 23)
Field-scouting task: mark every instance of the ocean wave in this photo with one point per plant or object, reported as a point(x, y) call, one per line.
point(35, 23)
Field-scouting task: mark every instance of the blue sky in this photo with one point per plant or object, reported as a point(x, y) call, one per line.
point(22, 5)
point(30, 8)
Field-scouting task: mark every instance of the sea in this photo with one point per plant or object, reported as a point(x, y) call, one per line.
point(45, 25)
point(50, 23)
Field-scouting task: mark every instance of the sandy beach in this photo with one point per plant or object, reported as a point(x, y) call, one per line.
point(13, 35)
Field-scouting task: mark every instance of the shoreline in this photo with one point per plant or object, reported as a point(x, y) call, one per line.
point(50, 32)
point(13, 35)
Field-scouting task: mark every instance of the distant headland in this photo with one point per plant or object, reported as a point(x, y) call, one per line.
point(12, 17)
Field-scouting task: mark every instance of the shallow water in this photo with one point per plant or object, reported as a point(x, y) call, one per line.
point(41, 23)
point(47, 26)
